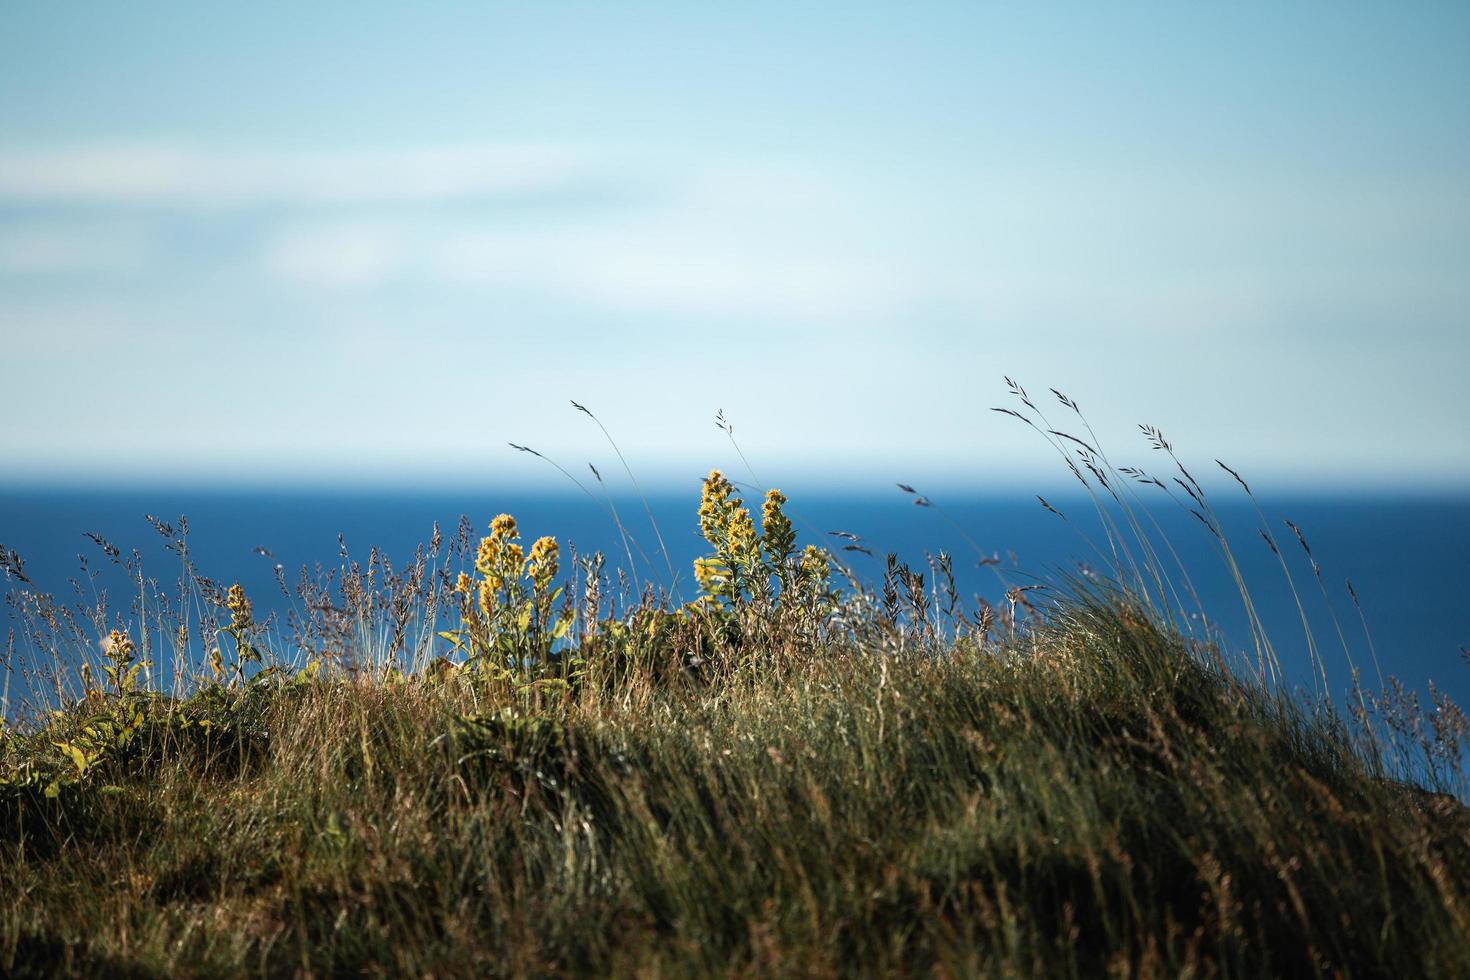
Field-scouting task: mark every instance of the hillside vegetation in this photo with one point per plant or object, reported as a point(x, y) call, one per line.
point(497, 761)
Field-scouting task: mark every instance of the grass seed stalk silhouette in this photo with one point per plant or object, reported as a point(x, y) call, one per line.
point(673, 582)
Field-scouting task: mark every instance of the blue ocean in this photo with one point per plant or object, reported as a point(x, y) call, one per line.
point(1408, 558)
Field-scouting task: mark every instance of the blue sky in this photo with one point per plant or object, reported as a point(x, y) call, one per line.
point(376, 242)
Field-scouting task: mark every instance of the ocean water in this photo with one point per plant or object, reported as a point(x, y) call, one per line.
point(1407, 557)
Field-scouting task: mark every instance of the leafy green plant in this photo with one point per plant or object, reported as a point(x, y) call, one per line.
point(241, 632)
point(751, 568)
point(116, 720)
point(512, 616)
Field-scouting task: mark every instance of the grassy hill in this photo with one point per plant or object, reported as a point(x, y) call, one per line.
point(491, 774)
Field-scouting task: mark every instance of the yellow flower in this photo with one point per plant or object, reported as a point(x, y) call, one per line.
point(771, 509)
point(716, 508)
point(239, 607)
point(779, 537)
point(119, 647)
point(542, 565)
point(464, 584)
point(506, 567)
point(492, 556)
point(741, 534)
point(815, 565)
point(492, 548)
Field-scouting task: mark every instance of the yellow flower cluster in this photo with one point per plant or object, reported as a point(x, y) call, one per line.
point(772, 518)
point(499, 560)
point(542, 565)
point(816, 567)
point(500, 557)
point(724, 520)
point(778, 536)
point(716, 508)
point(241, 611)
point(119, 647)
point(742, 540)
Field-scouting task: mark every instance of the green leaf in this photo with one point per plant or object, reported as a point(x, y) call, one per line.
point(78, 757)
point(306, 675)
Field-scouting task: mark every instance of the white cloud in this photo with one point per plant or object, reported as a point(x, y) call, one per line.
point(183, 177)
point(654, 267)
point(761, 240)
point(818, 242)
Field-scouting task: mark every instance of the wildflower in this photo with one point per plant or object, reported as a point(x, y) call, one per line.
point(542, 565)
point(815, 566)
point(777, 534)
point(511, 563)
point(500, 559)
point(502, 531)
point(119, 647)
point(487, 559)
point(771, 516)
point(239, 607)
point(464, 584)
point(741, 535)
point(716, 508)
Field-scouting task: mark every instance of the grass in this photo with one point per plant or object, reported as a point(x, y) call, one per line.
point(782, 778)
